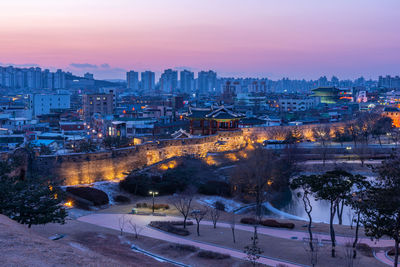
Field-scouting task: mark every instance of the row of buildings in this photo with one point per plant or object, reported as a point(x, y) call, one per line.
point(31, 78)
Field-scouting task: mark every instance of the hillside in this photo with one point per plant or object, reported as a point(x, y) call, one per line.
point(20, 246)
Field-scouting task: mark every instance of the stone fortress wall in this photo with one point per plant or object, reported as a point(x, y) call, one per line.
point(86, 168)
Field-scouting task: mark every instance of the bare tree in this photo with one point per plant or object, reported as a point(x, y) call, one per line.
point(135, 228)
point(322, 135)
point(350, 261)
point(253, 251)
point(183, 204)
point(199, 215)
point(121, 224)
point(362, 152)
point(304, 183)
point(254, 175)
point(313, 253)
point(215, 214)
point(354, 131)
point(232, 223)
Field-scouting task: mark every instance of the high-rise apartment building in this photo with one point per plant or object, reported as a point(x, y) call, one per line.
point(169, 81)
point(389, 82)
point(207, 81)
point(59, 79)
point(148, 81)
point(132, 79)
point(186, 81)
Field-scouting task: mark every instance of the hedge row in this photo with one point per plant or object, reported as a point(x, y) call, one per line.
point(212, 255)
point(150, 206)
point(169, 227)
point(269, 223)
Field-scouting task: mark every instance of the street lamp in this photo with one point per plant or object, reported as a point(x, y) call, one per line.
point(153, 193)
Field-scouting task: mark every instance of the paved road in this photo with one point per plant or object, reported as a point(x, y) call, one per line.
point(111, 221)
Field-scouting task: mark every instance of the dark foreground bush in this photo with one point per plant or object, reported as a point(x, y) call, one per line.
point(169, 227)
point(182, 247)
point(96, 196)
point(122, 199)
point(248, 220)
point(273, 223)
point(212, 255)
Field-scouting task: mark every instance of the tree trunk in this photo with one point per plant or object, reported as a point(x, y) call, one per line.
point(379, 139)
point(233, 235)
point(339, 209)
point(198, 228)
point(356, 237)
point(184, 222)
point(215, 224)
point(396, 253)
point(258, 203)
point(308, 209)
point(332, 230)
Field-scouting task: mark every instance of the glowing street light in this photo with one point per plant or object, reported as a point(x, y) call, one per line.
point(153, 193)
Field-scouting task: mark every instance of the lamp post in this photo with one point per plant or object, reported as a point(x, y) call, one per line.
point(153, 193)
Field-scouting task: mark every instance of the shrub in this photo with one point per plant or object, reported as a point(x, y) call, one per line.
point(212, 255)
point(248, 220)
point(269, 223)
point(136, 184)
point(366, 250)
point(96, 196)
point(159, 206)
point(215, 188)
point(273, 223)
point(219, 205)
point(169, 227)
point(141, 205)
point(176, 223)
point(122, 199)
point(171, 182)
point(182, 247)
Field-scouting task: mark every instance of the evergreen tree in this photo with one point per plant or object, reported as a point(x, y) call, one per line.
point(30, 200)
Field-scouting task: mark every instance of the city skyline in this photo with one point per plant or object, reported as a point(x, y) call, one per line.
point(251, 39)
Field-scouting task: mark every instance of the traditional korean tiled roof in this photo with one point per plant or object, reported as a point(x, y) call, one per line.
point(181, 134)
point(214, 112)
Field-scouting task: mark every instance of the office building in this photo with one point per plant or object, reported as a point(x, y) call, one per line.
point(41, 104)
point(97, 103)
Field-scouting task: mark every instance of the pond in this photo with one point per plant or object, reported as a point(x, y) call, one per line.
point(293, 205)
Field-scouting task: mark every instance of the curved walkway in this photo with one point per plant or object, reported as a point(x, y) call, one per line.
point(112, 221)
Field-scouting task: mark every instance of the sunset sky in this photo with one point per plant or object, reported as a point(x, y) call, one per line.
point(263, 38)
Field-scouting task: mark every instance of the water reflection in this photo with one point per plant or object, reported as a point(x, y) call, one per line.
point(292, 204)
